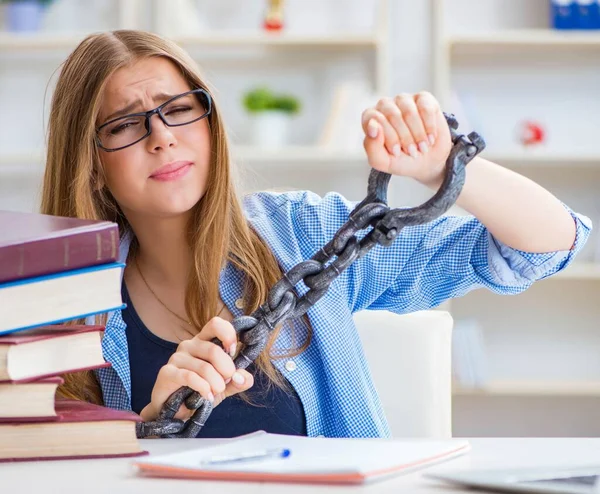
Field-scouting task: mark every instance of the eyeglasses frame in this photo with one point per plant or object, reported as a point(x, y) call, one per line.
point(150, 113)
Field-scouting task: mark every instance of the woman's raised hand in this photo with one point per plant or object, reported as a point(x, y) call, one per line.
point(408, 135)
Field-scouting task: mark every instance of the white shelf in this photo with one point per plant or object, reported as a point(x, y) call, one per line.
point(578, 271)
point(252, 39)
point(53, 41)
point(532, 388)
point(24, 164)
point(542, 158)
point(39, 41)
point(527, 38)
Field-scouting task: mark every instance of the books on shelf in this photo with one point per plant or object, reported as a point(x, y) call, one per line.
point(35, 351)
point(575, 14)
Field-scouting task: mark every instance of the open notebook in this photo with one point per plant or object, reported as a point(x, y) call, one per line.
point(312, 460)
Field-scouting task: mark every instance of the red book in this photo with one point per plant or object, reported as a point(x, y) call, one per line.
point(82, 430)
point(34, 244)
point(50, 351)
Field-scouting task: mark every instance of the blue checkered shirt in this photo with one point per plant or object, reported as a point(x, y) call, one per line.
point(426, 265)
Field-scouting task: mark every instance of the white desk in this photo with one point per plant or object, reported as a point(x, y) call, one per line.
point(117, 476)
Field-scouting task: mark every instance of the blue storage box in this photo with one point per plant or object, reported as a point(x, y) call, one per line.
point(588, 15)
point(564, 14)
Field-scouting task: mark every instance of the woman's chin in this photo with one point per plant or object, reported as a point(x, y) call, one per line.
point(176, 206)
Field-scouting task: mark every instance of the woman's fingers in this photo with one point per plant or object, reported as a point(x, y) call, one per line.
point(208, 353)
point(412, 119)
point(242, 381)
point(403, 135)
point(370, 119)
point(374, 142)
point(222, 330)
point(169, 379)
point(428, 108)
point(204, 370)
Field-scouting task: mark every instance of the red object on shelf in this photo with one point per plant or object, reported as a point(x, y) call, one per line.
point(531, 133)
point(274, 16)
point(273, 25)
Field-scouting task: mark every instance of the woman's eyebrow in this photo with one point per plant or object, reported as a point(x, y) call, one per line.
point(159, 97)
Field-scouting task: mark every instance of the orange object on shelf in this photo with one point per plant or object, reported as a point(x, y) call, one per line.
point(274, 16)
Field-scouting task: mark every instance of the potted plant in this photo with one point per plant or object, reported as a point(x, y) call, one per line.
point(272, 115)
point(24, 15)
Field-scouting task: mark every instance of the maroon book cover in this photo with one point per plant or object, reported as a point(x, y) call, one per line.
point(78, 411)
point(82, 411)
point(46, 333)
point(33, 244)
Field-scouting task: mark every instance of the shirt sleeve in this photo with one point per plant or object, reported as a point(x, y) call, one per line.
point(428, 264)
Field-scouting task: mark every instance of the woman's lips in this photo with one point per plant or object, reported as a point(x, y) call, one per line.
point(172, 171)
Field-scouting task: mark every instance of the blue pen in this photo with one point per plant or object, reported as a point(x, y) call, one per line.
point(262, 454)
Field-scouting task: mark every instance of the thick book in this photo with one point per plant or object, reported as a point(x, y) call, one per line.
point(82, 430)
point(50, 351)
point(265, 457)
point(60, 297)
point(33, 244)
point(29, 402)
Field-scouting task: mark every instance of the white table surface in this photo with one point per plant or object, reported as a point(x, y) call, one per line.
point(116, 476)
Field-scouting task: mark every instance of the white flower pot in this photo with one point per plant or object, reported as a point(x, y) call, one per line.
point(271, 129)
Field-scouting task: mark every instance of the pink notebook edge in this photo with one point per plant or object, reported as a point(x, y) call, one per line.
point(165, 471)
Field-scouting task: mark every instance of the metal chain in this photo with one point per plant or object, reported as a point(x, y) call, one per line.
point(320, 271)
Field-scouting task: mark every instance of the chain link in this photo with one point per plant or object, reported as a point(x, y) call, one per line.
point(320, 271)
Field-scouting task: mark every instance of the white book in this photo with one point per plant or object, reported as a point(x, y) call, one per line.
point(60, 297)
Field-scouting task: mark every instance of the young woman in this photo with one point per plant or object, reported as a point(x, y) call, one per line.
point(136, 137)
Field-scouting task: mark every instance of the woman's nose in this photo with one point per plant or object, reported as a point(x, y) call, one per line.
point(161, 135)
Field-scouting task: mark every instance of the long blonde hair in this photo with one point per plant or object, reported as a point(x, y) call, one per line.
point(74, 185)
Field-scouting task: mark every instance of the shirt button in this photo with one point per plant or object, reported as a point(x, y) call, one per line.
point(290, 365)
point(239, 303)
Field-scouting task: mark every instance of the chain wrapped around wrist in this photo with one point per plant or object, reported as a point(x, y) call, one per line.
point(320, 271)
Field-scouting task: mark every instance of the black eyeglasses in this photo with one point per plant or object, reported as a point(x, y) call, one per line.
point(126, 131)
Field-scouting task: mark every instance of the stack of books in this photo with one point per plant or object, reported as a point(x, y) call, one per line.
point(55, 271)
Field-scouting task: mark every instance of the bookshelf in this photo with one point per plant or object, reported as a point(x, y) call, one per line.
point(533, 388)
point(51, 41)
point(242, 39)
point(544, 159)
point(525, 38)
point(537, 344)
point(223, 55)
